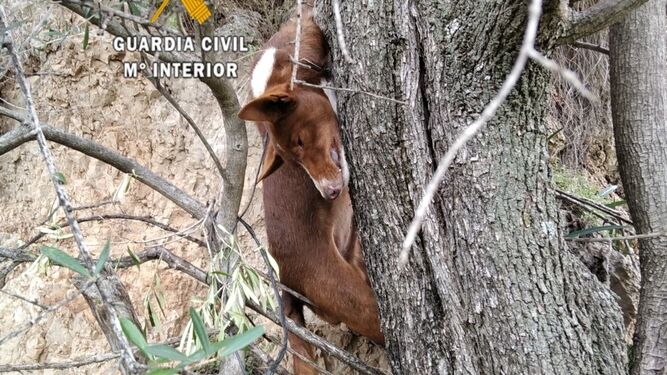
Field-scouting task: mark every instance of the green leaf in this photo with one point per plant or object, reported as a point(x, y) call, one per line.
point(235, 343)
point(60, 178)
point(247, 291)
point(616, 204)
point(200, 330)
point(59, 257)
point(159, 297)
point(608, 190)
point(122, 188)
point(134, 9)
point(135, 259)
point(584, 232)
point(166, 352)
point(273, 264)
point(103, 258)
point(153, 319)
point(133, 334)
point(86, 36)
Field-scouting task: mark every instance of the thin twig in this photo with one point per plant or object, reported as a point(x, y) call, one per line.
point(339, 32)
point(304, 83)
point(143, 219)
point(20, 135)
point(98, 6)
point(297, 44)
point(568, 75)
point(160, 253)
point(60, 365)
point(32, 302)
point(591, 47)
point(43, 314)
point(285, 288)
point(623, 238)
point(534, 12)
point(591, 205)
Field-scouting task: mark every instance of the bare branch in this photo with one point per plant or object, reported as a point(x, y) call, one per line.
point(597, 17)
point(297, 44)
point(4, 111)
point(35, 303)
point(339, 32)
point(144, 219)
point(101, 8)
point(160, 253)
point(589, 204)
point(304, 83)
point(567, 74)
point(534, 13)
point(623, 238)
point(17, 255)
point(21, 135)
point(26, 326)
point(60, 365)
point(591, 47)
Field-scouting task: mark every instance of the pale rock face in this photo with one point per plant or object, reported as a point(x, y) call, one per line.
point(91, 100)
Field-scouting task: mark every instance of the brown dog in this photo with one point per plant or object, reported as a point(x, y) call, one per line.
point(307, 206)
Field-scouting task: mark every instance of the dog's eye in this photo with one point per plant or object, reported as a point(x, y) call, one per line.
point(299, 142)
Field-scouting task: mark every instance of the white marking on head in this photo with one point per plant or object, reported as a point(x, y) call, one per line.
point(343, 167)
point(331, 95)
point(262, 72)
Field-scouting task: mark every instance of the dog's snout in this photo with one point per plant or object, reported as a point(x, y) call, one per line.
point(332, 191)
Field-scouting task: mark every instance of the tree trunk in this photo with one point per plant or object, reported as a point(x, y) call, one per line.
point(638, 61)
point(490, 286)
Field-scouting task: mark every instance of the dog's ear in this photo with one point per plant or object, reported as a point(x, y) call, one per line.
point(269, 107)
point(272, 161)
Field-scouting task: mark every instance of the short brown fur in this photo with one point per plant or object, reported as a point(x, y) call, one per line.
point(311, 234)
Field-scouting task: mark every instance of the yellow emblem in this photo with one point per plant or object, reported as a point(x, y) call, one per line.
point(197, 9)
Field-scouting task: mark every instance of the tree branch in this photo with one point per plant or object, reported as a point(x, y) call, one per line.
point(595, 18)
point(60, 365)
point(20, 135)
point(591, 47)
point(297, 43)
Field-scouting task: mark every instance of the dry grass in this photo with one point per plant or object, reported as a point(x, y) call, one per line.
point(586, 138)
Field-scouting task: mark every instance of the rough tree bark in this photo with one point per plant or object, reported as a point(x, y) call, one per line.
point(490, 286)
point(638, 63)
